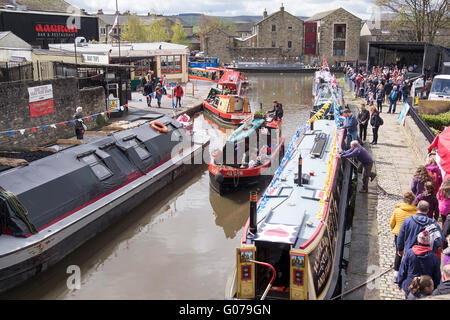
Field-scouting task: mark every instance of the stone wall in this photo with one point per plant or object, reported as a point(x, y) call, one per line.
point(15, 111)
point(352, 39)
point(255, 52)
point(287, 28)
point(416, 138)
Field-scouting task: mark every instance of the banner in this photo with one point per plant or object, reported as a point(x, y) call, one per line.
point(41, 108)
point(40, 93)
point(404, 113)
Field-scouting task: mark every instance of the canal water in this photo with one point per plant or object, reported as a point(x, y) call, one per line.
point(180, 243)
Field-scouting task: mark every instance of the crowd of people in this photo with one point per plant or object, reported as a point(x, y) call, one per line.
point(422, 235)
point(156, 89)
point(379, 85)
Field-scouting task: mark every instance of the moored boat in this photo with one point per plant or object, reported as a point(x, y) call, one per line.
point(212, 74)
point(248, 157)
point(55, 204)
point(292, 244)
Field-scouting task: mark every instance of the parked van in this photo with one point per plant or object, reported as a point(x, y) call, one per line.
point(440, 89)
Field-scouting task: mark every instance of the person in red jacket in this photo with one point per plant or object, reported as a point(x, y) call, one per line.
point(178, 92)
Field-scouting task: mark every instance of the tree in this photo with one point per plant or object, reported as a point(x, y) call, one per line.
point(157, 31)
point(179, 36)
point(425, 17)
point(135, 30)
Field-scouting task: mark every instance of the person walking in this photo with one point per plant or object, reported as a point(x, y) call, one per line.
point(350, 126)
point(413, 225)
point(178, 92)
point(375, 122)
point(429, 196)
point(446, 251)
point(444, 287)
point(435, 173)
point(420, 288)
point(148, 91)
point(363, 156)
point(421, 176)
point(403, 211)
point(380, 98)
point(80, 127)
point(393, 98)
point(158, 94)
point(164, 84)
point(363, 120)
point(419, 260)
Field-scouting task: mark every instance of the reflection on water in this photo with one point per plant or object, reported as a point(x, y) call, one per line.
point(180, 243)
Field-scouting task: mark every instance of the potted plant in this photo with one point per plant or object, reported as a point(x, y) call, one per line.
point(259, 115)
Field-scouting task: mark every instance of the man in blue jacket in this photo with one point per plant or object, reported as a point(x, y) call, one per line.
point(413, 225)
point(350, 126)
point(393, 98)
point(418, 261)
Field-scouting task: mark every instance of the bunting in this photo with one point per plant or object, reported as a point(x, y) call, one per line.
point(53, 125)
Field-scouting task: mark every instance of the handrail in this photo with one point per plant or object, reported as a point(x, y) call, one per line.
point(274, 274)
point(423, 126)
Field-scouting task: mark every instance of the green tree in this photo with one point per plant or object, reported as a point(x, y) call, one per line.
point(135, 30)
point(179, 36)
point(424, 17)
point(157, 31)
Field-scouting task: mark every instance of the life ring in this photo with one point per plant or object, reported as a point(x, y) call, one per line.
point(159, 127)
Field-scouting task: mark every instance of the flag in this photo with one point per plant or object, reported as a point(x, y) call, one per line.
point(22, 131)
point(324, 63)
point(114, 25)
point(10, 132)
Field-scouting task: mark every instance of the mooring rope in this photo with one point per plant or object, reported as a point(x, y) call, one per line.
point(17, 207)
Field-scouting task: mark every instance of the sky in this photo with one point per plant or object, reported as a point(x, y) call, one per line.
point(360, 8)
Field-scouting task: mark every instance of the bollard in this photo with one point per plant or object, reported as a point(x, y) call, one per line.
point(253, 216)
point(300, 163)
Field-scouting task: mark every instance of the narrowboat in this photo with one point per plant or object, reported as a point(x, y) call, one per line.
point(227, 102)
point(212, 74)
point(292, 244)
point(248, 157)
point(55, 204)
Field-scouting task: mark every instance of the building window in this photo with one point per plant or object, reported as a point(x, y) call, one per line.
point(274, 28)
point(170, 64)
point(339, 31)
point(274, 44)
point(289, 44)
point(102, 31)
point(339, 48)
point(289, 27)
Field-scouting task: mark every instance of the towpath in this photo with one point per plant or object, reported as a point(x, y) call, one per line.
point(372, 249)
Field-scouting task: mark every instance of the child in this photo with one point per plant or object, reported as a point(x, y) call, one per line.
point(444, 201)
point(429, 196)
point(370, 98)
point(420, 287)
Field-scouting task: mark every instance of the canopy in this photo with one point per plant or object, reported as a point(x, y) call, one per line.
point(442, 143)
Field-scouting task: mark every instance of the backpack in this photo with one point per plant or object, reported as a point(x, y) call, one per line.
point(435, 237)
point(380, 121)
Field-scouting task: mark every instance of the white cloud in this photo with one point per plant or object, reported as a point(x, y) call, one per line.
point(361, 8)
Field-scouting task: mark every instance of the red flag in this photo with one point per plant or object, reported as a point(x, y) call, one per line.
point(62, 123)
point(88, 119)
point(33, 129)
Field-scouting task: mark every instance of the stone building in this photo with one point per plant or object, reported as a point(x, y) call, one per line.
point(338, 36)
point(277, 35)
point(280, 30)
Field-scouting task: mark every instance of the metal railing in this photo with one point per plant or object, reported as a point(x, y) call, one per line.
point(423, 126)
point(15, 71)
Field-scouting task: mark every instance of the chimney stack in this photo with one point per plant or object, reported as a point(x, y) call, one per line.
point(265, 14)
point(282, 7)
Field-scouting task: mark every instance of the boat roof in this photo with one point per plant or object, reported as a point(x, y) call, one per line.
point(245, 130)
point(229, 77)
point(292, 214)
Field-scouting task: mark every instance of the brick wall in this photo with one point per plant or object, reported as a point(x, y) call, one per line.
point(15, 111)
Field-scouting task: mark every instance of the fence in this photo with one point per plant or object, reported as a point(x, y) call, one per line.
point(15, 71)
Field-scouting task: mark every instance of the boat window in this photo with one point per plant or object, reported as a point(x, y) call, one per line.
point(97, 166)
point(140, 148)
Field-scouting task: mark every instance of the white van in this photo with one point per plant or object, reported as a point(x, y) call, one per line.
point(440, 89)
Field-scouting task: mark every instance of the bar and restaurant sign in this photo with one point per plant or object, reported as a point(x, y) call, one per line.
point(41, 100)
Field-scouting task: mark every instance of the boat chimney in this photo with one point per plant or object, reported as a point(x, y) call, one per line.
point(300, 163)
point(311, 126)
point(253, 223)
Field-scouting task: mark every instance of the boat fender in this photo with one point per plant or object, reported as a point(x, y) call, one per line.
point(159, 127)
point(219, 177)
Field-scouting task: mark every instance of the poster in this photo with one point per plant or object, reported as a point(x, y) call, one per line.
point(41, 100)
